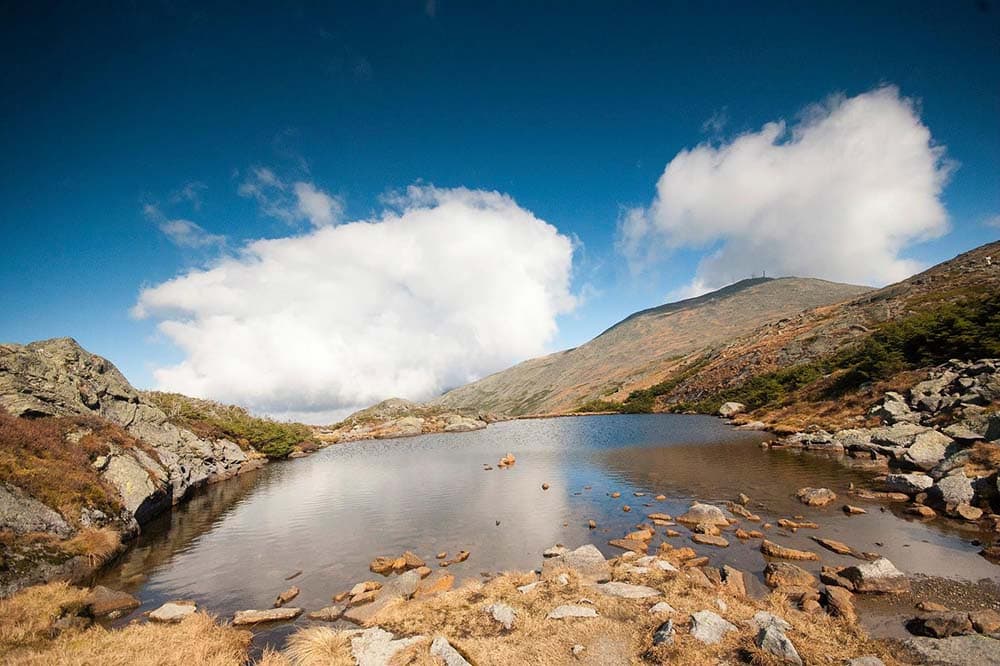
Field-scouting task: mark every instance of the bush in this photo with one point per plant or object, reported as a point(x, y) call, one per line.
point(212, 420)
point(968, 328)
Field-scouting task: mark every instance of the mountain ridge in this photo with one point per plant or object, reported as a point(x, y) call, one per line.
point(631, 353)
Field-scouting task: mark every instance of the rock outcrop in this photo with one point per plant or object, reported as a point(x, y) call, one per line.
point(157, 466)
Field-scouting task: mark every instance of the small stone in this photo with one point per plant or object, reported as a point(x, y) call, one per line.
point(709, 627)
point(441, 555)
point(664, 634)
point(570, 611)
point(853, 510)
point(328, 614)
point(530, 587)
point(710, 540)
point(367, 586)
point(661, 607)
point(443, 650)
point(615, 495)
point(772, 639)
point(554, 551)
point(545, 486)
point(105, 602)
point(879, 576)
point(816, 496)
point(626, 508)
point(778, 574)
point(969, 513)
point(173, 611)
point(502, 614)
point(932, 607)
point(577, 650)
point(921, 510)
point(660, 498)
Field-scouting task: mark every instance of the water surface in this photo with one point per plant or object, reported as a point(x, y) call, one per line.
point(232, 546)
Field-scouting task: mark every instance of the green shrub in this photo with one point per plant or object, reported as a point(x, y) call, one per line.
point(215, 421)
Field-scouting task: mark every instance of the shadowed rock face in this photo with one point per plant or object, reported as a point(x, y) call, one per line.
point(59, 378)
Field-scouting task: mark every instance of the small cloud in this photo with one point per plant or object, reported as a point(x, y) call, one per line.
point(320, 208)
point(993, 221)
point(185, 233)
point(716, 123)
point(291, 202)
point(191, 193)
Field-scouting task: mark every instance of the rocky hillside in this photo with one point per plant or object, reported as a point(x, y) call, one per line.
point(85, 459)
point(641, 350)
point(821, 355)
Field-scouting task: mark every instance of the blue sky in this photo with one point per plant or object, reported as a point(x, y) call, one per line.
point(572, 109)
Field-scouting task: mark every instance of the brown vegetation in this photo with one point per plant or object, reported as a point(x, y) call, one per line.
point(37, 456)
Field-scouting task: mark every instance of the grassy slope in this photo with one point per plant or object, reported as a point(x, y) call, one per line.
point(833, 359)
point(212, 420)
point(642, 349)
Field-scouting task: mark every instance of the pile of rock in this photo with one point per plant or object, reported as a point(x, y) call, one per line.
point(927, 440)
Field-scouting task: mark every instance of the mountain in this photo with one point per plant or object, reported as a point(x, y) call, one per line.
point(815, 360)
point(644, 348)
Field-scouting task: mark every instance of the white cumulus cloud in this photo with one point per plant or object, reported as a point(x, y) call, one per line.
point(839, 195)
point(451, 285)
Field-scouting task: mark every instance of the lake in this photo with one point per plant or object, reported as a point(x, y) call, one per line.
point(232, 546)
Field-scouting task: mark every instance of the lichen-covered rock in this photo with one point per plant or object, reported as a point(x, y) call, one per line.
point(59, 378)
point(22, 514)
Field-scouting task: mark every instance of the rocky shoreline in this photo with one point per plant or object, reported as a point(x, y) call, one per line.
point(146, 462)
point(939, 445)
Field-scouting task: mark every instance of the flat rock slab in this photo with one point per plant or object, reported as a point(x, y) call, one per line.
point(377, 647)
point(269, 615)
point(627, 591)
point(568, 611)
point(662, 607)
point(172, 611)
point(444, 651)
point(709, 627)
point(710, 540)
point(958, 650)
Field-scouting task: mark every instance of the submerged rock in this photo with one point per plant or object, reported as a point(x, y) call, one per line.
point(816, 496)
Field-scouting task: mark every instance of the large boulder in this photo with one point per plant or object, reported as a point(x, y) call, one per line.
point(927, 450)
point(954, 490)
point(893, 409)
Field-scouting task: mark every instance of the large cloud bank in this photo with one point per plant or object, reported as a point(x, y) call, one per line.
point(450, 285)
point(838, 195)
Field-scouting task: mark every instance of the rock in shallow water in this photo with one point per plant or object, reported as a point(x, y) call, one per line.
point(173, 611)
point(270, 615)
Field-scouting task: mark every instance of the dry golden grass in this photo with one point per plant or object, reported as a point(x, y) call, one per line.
point(26, 636)
point(196, 640)
point(27, 617)
point(621, 634)
point(97, 544)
